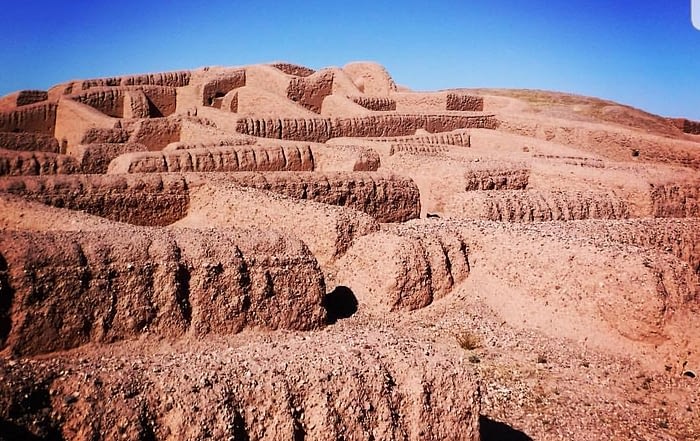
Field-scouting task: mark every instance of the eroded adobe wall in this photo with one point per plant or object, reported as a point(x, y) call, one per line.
point(150, 199)
point(464, 103)
point(99, 135)
point(35, 118)
point(322, 129)
point(313, 130)
point(375, 103)
point(494, 175)
point(95, 158)
point(227, 141)
point(162, 101)
point(386, 197)
point(215, 89)
point(168, 79)
point(73, 288)
point(108, 100)
point(154, 199)
point(130, 102)
point(459, 137)
point(76, 121)
point(136, 105)
point(156, 134)
point(370, 78)
point(294, 69)
point(26, 97)
point(537, 206)
point(419, 149)
point(29, 142)
point(217, 159)
point(310, 91)
point(340, 388)
point(29, 163)
point(345, 158)
point(404, 125)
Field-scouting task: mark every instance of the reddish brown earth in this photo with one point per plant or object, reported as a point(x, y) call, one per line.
point(271, 252)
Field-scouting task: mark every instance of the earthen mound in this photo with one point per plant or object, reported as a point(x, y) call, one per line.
point(417, 267)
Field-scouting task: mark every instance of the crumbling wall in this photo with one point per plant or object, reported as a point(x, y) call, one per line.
point(167, 79)
point(370, 78)
point(75, 123)
point(128, 102)
point(216, 89)
point(294, 69)
point(460, 138)
point(27, 163)
point(312, 130)
point(464, 103)
point(36, 118)
point(149, 199)
point(156, 134)
point(95, 158)
point(375, 103)
point(136, 104)
point(537, 206)
point(496, 176)
point(226, 206)
point(217, 159)
point(26, 97)
point(322, 386)
point(230, 102)
point(580, 161)
point(107, 100)
point(385, 197)
point(34, 142)
point(322, 129)
point(99, 83)
point(162, 101)
point(235, 140)
point(310, 91)
point(405, 125)
point(418, 149)
point(99, 135)
point(73, 288)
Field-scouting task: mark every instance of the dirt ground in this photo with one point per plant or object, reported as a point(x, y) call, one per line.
point(270, 252)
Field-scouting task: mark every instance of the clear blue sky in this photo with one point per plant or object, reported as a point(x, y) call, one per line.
point(644, 53)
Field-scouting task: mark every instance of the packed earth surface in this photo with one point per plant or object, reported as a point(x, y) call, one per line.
point(271, 252)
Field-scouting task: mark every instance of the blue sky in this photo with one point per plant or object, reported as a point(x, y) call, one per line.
point(645, 53)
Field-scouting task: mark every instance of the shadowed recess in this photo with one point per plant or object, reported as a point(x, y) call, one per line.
point(12, 432)
point(491, 430)
point(341, 303)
